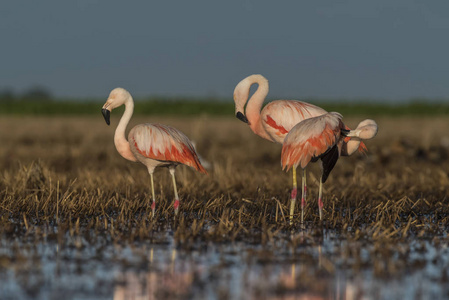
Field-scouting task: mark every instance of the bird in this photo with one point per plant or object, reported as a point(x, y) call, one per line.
point(153, 145)
point(321, 138)
point(279, 117)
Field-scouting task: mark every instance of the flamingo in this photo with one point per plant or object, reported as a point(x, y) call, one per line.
point(154, 145)
point(278, 118)
point(321, 138)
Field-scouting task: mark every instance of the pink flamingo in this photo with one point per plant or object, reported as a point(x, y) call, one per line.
point(321, 138)
point(154, 145)
point(279, 117)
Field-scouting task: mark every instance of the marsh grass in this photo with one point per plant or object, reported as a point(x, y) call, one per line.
point(65, 172)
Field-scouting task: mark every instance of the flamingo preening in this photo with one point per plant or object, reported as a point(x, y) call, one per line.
point(307, 132)
point(154, 145)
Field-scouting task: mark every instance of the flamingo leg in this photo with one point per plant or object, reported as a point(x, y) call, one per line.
point(153, 205)
point(303, 197)
point(293, 196)
point(176, 205)
point(320, 202)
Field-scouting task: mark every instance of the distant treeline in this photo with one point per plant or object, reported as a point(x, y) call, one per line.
point(161, 106)
point(35, 93)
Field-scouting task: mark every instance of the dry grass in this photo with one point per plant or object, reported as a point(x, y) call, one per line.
point(66, 172)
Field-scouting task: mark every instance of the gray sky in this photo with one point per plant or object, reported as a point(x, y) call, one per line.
point(388, 49)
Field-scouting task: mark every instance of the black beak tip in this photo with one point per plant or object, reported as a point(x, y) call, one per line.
point(241, 117)
point(107, 115)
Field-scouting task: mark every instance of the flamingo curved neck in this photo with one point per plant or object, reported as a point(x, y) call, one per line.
point(120, 141)
point(254, 105)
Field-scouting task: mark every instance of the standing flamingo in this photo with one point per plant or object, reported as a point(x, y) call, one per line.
point(276, 120)
point(321, 138)
point(154, 145)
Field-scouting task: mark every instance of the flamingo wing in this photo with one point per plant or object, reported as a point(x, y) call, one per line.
point(312, 138)
point(164, 143)
point(329, 159)
point(280, 116)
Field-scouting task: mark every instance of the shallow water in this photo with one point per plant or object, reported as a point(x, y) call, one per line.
point(305, 265)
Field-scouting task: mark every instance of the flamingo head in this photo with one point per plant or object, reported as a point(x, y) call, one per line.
point(367, 129)
point(241, 94)
point(117, 97)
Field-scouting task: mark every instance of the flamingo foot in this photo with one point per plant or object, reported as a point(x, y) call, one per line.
point(176, 206)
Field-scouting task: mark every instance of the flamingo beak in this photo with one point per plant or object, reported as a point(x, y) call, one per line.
point(107, 115)
point(242, 117)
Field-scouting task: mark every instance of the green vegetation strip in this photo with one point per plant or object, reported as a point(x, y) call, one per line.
point(213, 107)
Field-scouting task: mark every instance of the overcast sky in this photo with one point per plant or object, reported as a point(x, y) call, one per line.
point(384, 49)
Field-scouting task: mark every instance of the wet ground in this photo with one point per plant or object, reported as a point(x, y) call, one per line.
point(310, 264)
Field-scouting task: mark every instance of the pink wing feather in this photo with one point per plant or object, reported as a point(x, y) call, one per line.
point(164, 143)
point(310, 138)
point(280, 116)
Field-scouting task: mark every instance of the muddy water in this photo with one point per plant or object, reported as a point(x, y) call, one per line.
point(300, 266)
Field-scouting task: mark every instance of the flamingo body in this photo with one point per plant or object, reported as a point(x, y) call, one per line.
point(310, 139)
point(161, 145)
point(279, 117)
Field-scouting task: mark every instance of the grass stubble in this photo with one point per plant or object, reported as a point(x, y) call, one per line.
point(63, 180)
